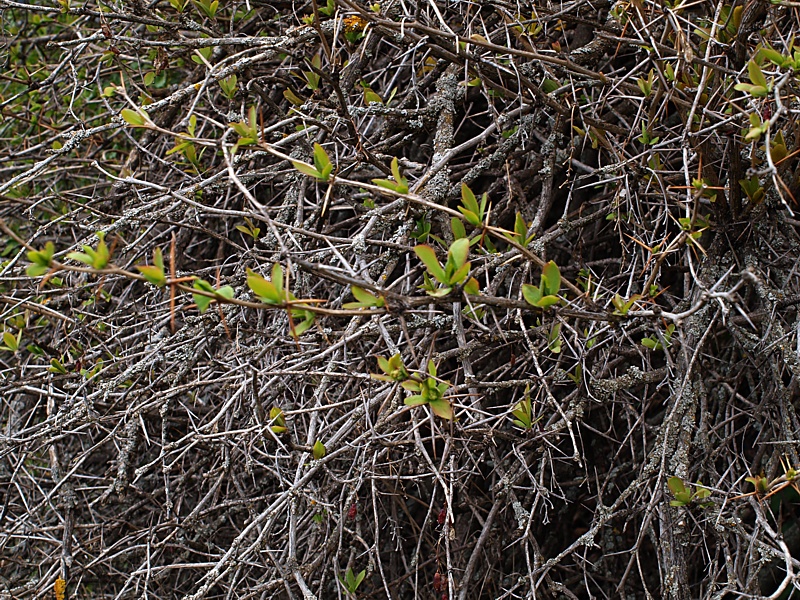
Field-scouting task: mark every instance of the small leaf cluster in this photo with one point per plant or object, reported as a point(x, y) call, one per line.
point(400, 183)
point(226, 292)
point(249, 229)
point(185, 146)
point(523, 412)
point(40, 260)
point(753, 189)
point(10, 341)
point(312, 77)
point(393, 369)
point(520, 234)
point(622, 306)
point(455, 270)
point(655, 343)
point(695, 227)
point(228, 86)
point(430, 391)
point(547, 293)
point(790, 60)
point(759, 87)
point(683, 496)
point(272, 292)
point(474, 212)
point(155, 273)
point(278, 420)
point(646, 85)
point(647, 138)
point(351, 581)
point(426, 389)
point(322, 168)
point(762, 484)
point(95, 258)
point(247, 130)
point(207, 7)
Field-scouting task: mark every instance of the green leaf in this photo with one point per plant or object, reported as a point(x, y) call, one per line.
point(35, 270)
point(82, 257)
point(460, 273)
point(701, 493)
point(415, 401)
point(202, 301)
point(11, 342)
point(523, 411)
point(468, 198)
point(307, 321)
point(228, 86)
point(385, 184)
point(102, 254)
point(532, 294)
point(318, 451)
point(772, 56)
point(153, 274)
point(398, 177)
point(549, 86)
point(265, 290)
point(57, 367)
point(676, 485)
point(470, 216)
point(439, 292)
point(442, 409)
point(276, 276)
point(412, 385)
point(520, 228)
point(394, 370)
point(135, 118)
point(292, 97)
point(322, 162)
point(457, 227)
point(470, 209)
point(226, 292)
point(554, 339)
point(756, 75)
point(551, 279)
point(277, 419)
point(458, 253)
point(472, 287)
point(431, 368)
point(41, 260)
point(428, 256)
point(364, 299)
point(307, 169)
point(384, 365)
point(546, 301)
point(371, 96)
point(360, 578)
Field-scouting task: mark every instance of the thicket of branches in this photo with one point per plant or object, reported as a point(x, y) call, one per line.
point(210, 426)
